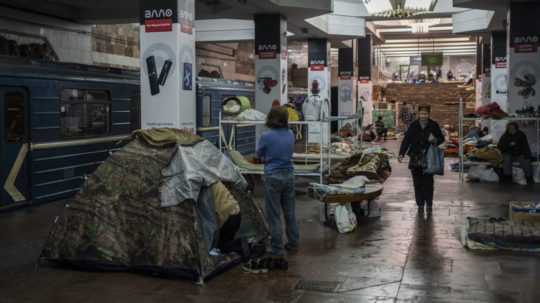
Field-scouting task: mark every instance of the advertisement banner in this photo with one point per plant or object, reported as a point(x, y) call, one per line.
point(499, 94)
point(365, 96)
point(317, 54)
point(524, 65)
point(319, 79)
point(364, 58)
point(270, 62)
point(346, 95)
point(167, 59)
point(499, 80)
point(345, 63)
point(269, 36)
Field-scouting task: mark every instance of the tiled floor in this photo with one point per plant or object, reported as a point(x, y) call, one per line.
point(400, 257)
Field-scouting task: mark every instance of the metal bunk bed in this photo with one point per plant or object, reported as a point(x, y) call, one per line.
point(325, 157)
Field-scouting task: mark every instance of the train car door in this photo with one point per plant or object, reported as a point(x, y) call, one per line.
point(14, 147)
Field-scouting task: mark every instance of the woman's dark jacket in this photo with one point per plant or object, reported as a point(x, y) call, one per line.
point(416, 141)
point(520, 146)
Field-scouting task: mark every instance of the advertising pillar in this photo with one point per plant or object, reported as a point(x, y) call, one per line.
point(365, 85)
point(167, 60)
point(499, 80)
point(347, 83)
point(270, 61)
point(318, 88)
point(524, 65)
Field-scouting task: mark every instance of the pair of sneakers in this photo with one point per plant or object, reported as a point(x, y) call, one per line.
point(263, 265)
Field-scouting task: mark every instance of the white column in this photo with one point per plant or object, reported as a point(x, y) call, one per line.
point(365, 85)
point(319, 78)
point(347, 82)
point(167, 64)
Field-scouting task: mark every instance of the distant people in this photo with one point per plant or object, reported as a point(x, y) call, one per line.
point(381, 129)
point(514, 147)
point(421, 78)
point(421, 134)
point(473, 133)
point(406, 115)
point(450, 76)
point(438, 75)
point(431, 78)
point(368, 135)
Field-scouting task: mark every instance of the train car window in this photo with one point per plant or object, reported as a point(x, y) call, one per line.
point(15, 118)
point(206, 117)
point(84, 113)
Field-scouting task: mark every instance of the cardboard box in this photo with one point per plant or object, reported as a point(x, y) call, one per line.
point(524, 211)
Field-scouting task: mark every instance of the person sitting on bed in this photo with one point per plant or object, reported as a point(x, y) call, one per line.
point(514, 147)
point(275, 150)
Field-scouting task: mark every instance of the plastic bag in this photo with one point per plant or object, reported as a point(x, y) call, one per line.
point(251, 115)
point(345, 218)
point(483, 174)
point(518, 176)
point(434, 161)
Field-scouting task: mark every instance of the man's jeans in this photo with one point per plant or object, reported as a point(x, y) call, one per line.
point(280, 196)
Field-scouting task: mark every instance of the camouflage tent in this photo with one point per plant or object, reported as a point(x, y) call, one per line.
point(149, 208)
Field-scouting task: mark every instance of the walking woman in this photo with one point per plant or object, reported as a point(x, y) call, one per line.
point(275, 149)
point(418, 138)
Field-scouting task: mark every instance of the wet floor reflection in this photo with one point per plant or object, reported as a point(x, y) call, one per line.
point(401, 257)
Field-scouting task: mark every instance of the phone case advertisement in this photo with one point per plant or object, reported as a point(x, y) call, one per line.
point(167, 59)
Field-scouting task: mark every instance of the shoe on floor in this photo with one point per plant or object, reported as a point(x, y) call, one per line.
point(256, 266)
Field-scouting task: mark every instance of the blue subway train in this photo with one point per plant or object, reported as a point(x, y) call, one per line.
point(58, 122)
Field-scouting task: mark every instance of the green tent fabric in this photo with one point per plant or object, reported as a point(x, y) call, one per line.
point(118, 222)
point(162, 137)
point(244, 164)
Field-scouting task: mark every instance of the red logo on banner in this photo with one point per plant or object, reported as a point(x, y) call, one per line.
point(526, 48)
point(316, 67)
point(267, 55)
point(158, 25)
point(525, 44)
